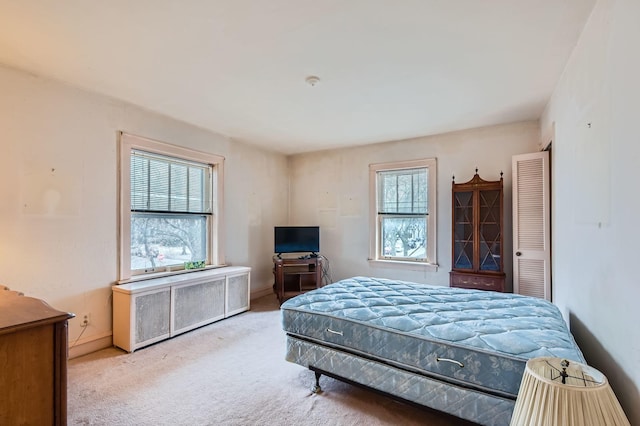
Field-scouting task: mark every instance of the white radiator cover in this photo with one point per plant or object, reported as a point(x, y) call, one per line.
point(149, 311)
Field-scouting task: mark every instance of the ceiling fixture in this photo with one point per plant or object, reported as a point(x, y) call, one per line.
point(312, 80)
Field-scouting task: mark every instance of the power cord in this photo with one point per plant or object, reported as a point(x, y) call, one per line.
point(79, 336)
point(326, 270)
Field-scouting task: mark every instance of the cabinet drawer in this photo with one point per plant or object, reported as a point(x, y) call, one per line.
point(478, 282)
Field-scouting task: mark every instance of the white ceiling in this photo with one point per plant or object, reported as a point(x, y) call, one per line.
point(388, 69)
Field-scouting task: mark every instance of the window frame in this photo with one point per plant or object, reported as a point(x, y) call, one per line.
point(375, 237)
point(215, 237)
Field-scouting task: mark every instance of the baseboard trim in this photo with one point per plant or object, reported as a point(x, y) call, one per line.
point(256, 294)
point(90, 344)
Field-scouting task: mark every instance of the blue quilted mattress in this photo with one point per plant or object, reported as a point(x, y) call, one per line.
point(472, 338)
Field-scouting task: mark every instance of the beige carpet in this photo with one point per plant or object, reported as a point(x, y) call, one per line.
point(231, 372)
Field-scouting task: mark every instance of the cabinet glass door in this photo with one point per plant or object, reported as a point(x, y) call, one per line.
point(490, 230)
point(463, 230)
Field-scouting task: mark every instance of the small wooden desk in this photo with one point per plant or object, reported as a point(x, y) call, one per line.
point(294, 276)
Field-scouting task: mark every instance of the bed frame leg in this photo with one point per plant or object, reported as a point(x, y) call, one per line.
point(317, 388)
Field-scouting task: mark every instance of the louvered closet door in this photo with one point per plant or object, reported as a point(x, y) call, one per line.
point(531, 233)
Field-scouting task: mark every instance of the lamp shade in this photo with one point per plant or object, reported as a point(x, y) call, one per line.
point(557, 392)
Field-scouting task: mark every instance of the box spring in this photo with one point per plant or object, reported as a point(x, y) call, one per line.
point(474, 340)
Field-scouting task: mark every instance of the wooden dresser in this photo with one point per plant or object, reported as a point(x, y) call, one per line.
point(33, 361)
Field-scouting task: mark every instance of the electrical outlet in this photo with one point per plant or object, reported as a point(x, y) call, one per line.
point(85, 319)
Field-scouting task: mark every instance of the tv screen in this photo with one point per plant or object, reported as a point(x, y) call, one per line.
point(297, 239)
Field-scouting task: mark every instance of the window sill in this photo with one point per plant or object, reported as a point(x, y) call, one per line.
point(400, 264)
point(143, 277)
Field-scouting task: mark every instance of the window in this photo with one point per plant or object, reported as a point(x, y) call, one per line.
point(403, 212)
point(170, 202)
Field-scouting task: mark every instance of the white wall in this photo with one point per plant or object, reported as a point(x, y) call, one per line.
point(58, 186)
point(331, 189)
point(596, 201)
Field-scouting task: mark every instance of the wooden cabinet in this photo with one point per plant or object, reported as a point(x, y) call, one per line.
point(477, 246)
point(294, 276)
point(33, 359)
point(152, 310)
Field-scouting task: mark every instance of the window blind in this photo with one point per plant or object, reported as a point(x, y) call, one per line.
point(169, 185)
point(403, 191)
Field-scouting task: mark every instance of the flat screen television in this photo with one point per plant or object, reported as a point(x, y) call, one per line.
point(297, 239)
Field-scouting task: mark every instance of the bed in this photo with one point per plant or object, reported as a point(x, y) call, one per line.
point(455, 350)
